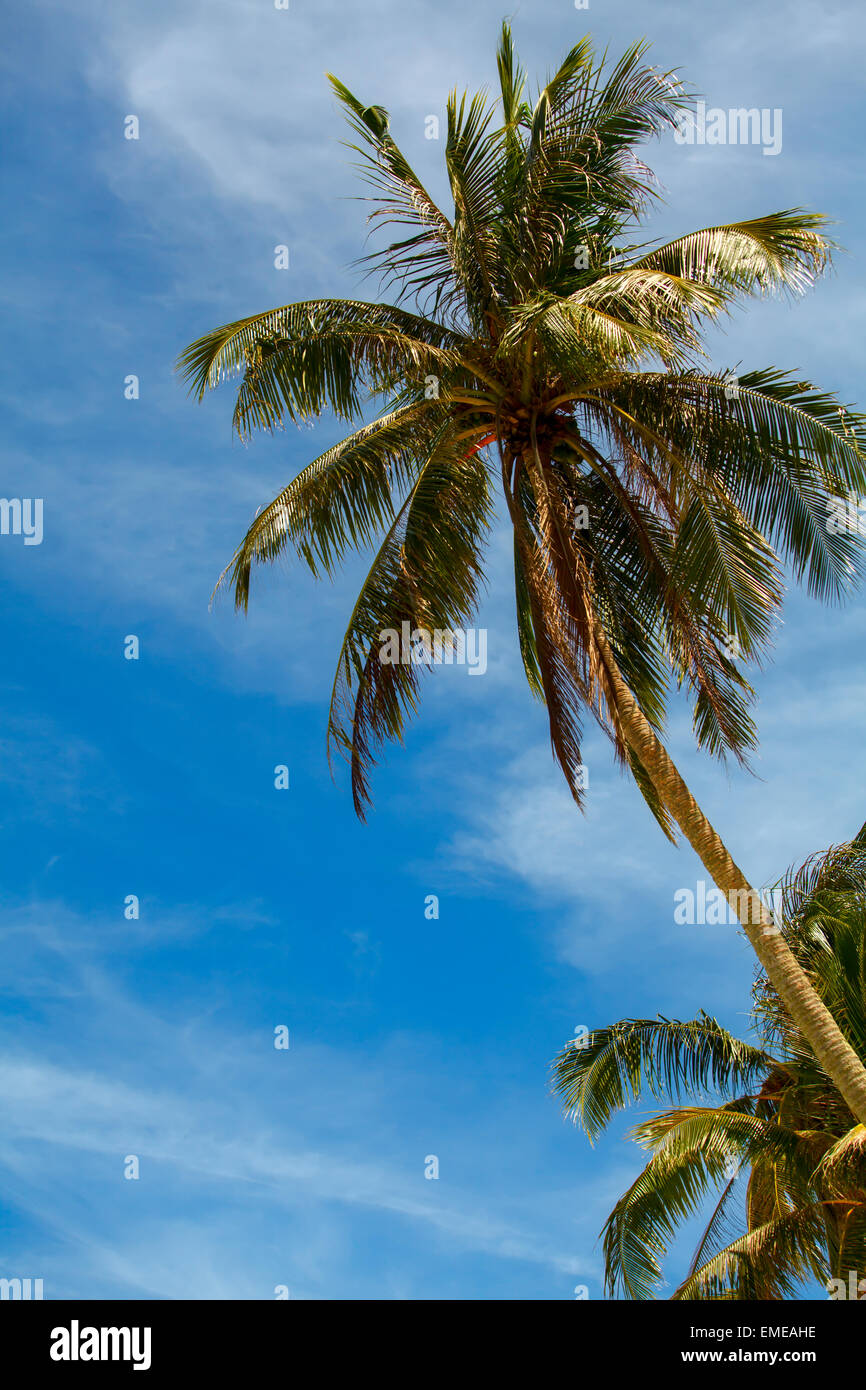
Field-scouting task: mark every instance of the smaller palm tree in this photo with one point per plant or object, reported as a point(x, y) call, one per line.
point(779, 1151)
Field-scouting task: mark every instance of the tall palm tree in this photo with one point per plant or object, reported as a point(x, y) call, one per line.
point(780, 1150)
point(532, 344)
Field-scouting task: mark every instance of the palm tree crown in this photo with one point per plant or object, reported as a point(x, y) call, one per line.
point(780, 1151)
point(532, 342)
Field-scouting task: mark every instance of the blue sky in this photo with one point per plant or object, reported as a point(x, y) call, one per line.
point(154, 777)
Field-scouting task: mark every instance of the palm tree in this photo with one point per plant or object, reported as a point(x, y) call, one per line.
point(780, 1148)
point(532, 344)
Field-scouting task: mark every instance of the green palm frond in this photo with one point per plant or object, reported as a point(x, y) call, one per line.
point(512, 85)
point(733, 1129)
point(525, 627)
point(783, 451)
point(423, 262)
point(575, 331)
point(663, 1056)
point(773, 1261)
point(425, 574)
point(550, 641)
point(783, 251)
point(850, 1244)
point(714, 1237)
point(671, 1189)
point(340, 501)
point(298, 360)
point(472, 156)
point(642, 1224)
point(843, 1167)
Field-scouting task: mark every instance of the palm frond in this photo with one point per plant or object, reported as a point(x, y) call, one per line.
point(666, 1057)
point(426, 574)
point(781, 251)
point(303, 358)
point(773, 1261)
point(340, 501)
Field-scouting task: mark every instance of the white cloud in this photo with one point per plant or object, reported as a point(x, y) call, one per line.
point(196, 1104)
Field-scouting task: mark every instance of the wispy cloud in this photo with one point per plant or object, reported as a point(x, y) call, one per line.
point(200, 1135)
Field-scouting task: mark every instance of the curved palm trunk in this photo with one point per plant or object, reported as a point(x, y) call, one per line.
point(812, 1018)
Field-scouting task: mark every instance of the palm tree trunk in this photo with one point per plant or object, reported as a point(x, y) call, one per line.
point(812, 1018)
